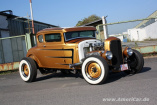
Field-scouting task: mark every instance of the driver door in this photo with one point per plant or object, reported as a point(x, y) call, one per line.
point(51, 51)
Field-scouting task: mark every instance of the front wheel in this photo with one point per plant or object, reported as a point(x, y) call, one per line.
point(95, 70)
point(136, 63)
point(28, 69)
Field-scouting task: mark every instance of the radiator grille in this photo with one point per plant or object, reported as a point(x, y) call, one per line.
point(116, 49)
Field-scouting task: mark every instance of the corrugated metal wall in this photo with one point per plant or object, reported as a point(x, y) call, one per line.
point(12, 49)
point(1, 53)
point(20, 27)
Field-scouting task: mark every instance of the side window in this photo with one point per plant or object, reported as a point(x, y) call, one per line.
point(40, 38)
point(55, 37)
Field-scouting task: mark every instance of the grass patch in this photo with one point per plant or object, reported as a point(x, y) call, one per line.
point(8, 72)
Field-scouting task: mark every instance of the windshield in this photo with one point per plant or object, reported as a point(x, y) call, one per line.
point(79, 34)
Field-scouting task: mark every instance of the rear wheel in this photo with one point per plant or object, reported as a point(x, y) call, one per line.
point(28, 69)
point(136, 62)
point(95, 70)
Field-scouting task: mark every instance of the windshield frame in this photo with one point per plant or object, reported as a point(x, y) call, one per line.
point(94, 35)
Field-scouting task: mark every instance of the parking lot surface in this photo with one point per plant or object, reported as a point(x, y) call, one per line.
point(59, 89)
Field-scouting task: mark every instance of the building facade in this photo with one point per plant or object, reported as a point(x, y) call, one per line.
point(11, 25)
point(145, 30)
point(13, 49)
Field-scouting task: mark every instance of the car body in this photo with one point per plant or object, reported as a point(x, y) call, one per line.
point(77, 49)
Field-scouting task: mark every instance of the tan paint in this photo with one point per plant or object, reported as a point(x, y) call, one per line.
point(57, 54)
point(107, 42)
point(125, 52)
point(60, 54)
point(94, 70)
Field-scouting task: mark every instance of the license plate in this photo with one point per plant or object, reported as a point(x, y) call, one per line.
point(124, 67)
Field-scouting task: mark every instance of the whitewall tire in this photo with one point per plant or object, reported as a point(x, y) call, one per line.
point(95, 70)
point(28, 69)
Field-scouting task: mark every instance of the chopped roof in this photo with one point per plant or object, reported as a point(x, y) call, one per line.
point(68, 29)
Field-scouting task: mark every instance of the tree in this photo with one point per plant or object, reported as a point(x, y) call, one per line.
point(91, 18)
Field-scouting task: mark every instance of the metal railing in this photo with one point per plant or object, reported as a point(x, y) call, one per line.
point(120, 27)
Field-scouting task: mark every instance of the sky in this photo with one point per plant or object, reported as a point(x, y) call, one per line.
point(66, 13)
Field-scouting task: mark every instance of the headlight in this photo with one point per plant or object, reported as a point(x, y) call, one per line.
point(109, 55)
point(129, 51)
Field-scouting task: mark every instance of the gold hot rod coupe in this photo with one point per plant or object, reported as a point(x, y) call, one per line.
point(77, 49)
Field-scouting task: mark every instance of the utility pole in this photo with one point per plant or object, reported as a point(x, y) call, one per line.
point(105, 27)
point(32, 16)
point(29, 28)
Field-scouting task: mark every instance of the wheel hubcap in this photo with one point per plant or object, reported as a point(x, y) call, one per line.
point(93, 70)
point(25, 69)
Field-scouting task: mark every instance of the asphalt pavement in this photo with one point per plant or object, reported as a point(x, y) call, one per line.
point(59, 89)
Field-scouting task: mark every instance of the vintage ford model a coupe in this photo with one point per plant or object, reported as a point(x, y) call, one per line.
point(77, 49)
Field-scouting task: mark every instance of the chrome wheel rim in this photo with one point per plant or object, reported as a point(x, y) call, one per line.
point(25, 70)
point(93, 70)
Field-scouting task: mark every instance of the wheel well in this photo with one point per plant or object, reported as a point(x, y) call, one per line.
point(35, 59)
